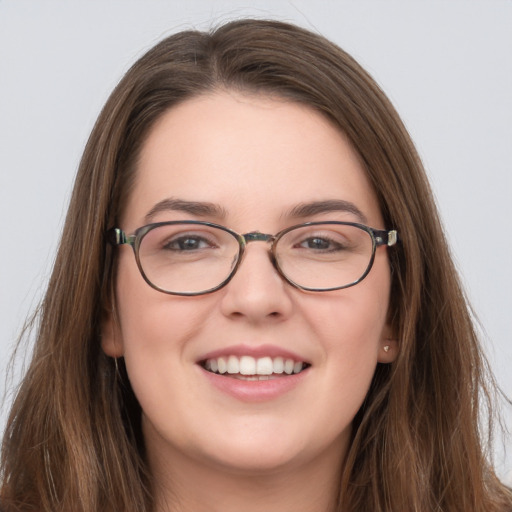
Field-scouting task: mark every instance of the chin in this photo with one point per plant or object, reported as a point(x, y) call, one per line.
point(271, 448)
point(254, 460)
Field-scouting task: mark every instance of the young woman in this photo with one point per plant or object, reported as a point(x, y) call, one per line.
point(286, 331)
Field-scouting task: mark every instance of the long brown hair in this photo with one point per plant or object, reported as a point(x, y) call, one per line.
point(73, 439)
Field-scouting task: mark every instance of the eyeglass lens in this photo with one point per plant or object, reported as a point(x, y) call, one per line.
point(184, 258)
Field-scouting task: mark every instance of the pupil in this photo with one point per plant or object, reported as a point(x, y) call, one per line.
point(188, 243)
point(318, 243)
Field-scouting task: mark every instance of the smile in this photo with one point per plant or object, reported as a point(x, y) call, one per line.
point(251, 368)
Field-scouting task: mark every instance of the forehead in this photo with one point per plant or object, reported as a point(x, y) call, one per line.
point(252, 155)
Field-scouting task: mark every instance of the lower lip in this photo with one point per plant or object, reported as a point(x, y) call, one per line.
point(255, 390)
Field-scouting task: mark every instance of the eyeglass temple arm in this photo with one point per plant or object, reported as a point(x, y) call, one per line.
point(383, 237)
point(116, 236)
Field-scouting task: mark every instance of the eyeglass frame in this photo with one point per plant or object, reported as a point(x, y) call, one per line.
point(380, 237)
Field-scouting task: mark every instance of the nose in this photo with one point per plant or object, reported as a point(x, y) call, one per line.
point(257, 292)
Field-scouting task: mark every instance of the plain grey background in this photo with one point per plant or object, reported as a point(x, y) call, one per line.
point(446, 65)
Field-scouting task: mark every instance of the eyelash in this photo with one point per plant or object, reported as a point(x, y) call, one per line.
point(183, 238)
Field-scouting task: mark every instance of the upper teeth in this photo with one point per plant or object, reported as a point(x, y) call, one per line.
point(247, 365)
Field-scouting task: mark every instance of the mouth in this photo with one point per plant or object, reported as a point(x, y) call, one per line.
point(250, 368)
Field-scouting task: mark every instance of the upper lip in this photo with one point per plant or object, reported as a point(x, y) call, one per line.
point(255, 351)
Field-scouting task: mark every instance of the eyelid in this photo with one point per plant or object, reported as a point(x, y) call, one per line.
point(192, 233)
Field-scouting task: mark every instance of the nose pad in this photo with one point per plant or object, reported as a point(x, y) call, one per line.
point(273, 262)
point(234, 261)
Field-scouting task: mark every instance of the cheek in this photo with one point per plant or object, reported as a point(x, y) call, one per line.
point(351, 321)
point(149, 320)
point(156, 333)
point(349, 326)
point(350, 347)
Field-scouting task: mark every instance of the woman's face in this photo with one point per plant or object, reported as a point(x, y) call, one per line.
point(255, 160)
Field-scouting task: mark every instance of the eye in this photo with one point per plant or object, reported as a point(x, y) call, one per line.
point(320, 244)
point(187, 243)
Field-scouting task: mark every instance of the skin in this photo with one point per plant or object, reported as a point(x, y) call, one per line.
point(257, 157)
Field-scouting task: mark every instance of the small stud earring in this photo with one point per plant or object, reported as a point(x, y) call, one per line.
point(386, 348)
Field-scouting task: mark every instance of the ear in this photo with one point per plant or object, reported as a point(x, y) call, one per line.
point(388, 346)
point(111, 338)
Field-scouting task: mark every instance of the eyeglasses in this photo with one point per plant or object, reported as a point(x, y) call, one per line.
point(194, 257)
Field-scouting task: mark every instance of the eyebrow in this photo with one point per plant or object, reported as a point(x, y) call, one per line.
point(304, 210)
point(206, 209)
point(197, 208)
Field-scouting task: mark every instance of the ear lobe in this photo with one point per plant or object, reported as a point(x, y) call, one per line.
point(388, 347)
point(388, 350)
point(111, 339)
